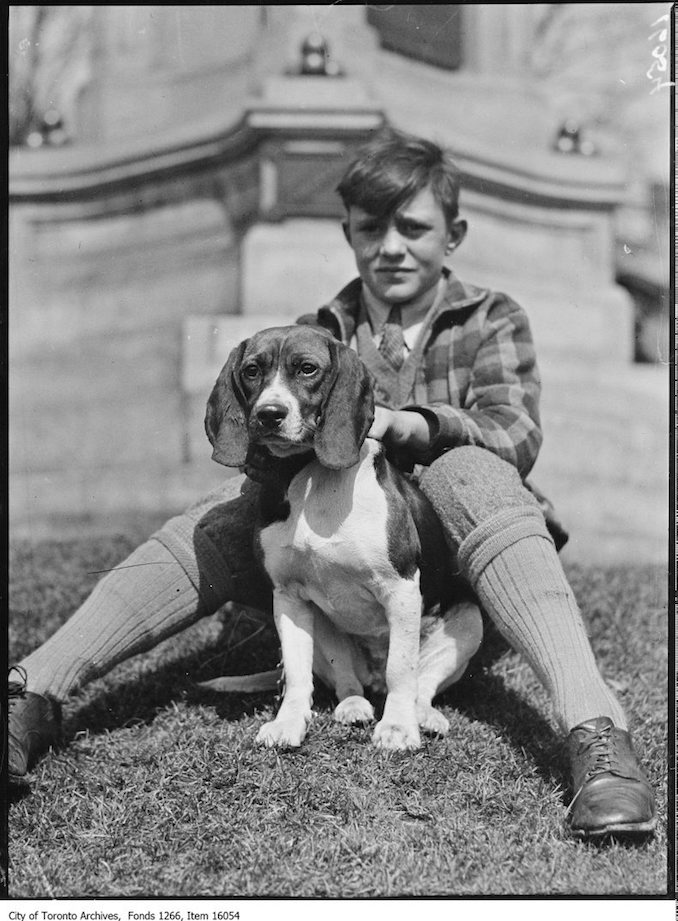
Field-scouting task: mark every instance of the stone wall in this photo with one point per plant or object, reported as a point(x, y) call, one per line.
point(168, 230)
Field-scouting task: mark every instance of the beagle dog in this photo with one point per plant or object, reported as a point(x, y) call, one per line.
point(363, 595)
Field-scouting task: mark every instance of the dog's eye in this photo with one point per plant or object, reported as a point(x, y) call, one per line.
point(307, 368)
point(250, 371)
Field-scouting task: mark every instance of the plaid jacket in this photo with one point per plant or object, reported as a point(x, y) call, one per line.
point(477, 381)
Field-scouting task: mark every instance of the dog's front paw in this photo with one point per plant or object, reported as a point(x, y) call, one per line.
point(354, 709)
point(431, 720)
point(285, 733)
point(396, 736)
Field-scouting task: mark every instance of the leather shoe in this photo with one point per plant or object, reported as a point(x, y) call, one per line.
point(612, 795)
point(34, 726)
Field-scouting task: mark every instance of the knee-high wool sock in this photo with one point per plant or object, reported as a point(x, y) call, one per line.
point(192, 566)
point(506, 552)
point(522, 587)
point(144, 600)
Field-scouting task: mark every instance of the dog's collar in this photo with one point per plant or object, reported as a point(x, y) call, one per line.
point(262, 467)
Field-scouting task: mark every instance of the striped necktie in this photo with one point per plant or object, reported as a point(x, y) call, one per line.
point(392, 345)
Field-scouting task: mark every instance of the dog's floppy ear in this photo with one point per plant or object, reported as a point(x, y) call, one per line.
point(348, 411)
point(225, 421)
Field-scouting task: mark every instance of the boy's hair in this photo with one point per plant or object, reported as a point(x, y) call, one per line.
point(393, 167)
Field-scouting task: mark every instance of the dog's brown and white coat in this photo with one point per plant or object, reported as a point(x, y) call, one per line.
point(354, 551)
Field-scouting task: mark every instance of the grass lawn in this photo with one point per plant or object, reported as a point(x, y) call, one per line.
point(160, 791)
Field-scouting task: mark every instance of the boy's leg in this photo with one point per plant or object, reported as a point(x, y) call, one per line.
point(188, 569)
point(499, 535)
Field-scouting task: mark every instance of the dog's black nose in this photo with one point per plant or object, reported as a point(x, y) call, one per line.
point(271, 415)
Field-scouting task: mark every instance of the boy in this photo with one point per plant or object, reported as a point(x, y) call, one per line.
point(458, 388)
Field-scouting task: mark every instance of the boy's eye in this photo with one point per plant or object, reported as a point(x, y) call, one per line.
point(408, 229)
point(371, 227)
point(250, 371)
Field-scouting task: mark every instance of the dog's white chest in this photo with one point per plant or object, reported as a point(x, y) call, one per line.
point(332, 549)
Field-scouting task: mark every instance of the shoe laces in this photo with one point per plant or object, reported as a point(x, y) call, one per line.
point(16, 687)
point(600, 751)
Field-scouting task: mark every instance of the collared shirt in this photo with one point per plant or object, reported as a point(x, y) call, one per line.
point(477, 382)
point(410, 335)
point(378, 315)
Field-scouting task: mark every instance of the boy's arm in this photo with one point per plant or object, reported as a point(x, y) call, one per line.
point(500, 411)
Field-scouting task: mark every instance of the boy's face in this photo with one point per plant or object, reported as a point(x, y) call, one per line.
point(400, 258)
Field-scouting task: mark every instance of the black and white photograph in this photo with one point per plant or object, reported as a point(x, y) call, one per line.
point(339, 450)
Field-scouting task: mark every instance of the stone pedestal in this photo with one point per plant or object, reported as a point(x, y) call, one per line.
point(198, 206)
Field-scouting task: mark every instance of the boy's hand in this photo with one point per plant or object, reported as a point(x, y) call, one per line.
point(400, 429)
point(381, 426)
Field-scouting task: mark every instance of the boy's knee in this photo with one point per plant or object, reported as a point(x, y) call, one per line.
point(469, 485)
point(478, 473)
point(214, 544)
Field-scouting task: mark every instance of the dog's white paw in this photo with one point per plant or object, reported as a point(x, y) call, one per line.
point(285, 733)
point(354, 709)
point(431, 720)
point(396, 737)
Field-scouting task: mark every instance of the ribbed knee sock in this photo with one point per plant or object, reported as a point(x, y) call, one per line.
point(515, 571)
point(505, 550)
point(144, 600)
point(188, 569)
